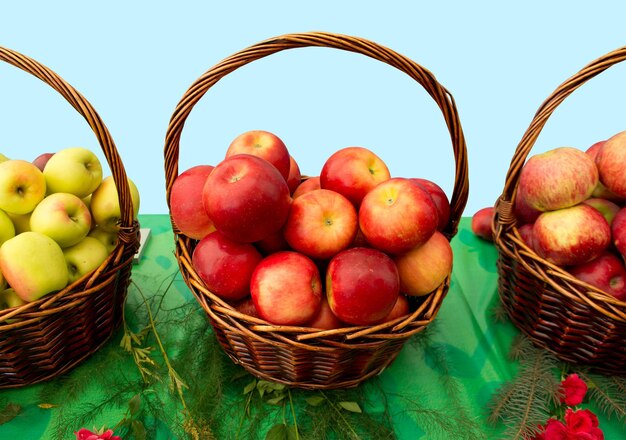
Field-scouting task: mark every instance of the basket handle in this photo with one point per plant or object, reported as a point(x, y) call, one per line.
point(504, 205)
point(83, 107)
point(439, 94)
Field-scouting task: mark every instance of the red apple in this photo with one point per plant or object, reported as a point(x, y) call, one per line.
point(325, 319)
point(286, 288)
point(294, 177)
point(400, 308)
point(273, 243)
point(605, 207)
point(439, 197)
point(265, 145)
point(246, 198)
point(558, 178)
point(397, 216)
point(41, 160)
point(571, 236)
point(225, 265)
point(601, 191)
point(611, 162)
point(353, 172)
point(618, 231)
point(523, 212)
point(362, 285)
point(526, 232)
point(186, 207)
point(481, 223)
point(310, 184)
point(245, 306)
point(606, 272)
point(424, 268)
point(320, 224)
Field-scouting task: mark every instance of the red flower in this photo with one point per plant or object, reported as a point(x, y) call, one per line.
point(579, 425)
point(85, 434)
point(573, 390)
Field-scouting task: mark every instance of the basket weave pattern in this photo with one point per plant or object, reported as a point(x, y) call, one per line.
point(577, 322)
point(299, 356)
point(45, 338)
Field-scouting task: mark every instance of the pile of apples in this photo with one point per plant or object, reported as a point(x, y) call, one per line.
point(58, 222)
point(343, 248)
point(571, 210)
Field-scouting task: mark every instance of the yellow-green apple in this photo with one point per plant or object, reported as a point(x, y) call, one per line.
point(8, 299)
point(186, 207)
point(84, 257)
point(295, 177)
point(606, 272)
point(310, 184)
point(571, 236)
point(20, 221)
point(611, 162)
point(559, 178)
point(618, 231)
point(105, 205)
point(325, 319)
point(246, 198)
point(397, 215)
point(107, 238)
point(286, 288)
point(63, 217)
point(3, 158)
point(606, 207)
point(22, 186)
point(400, 308)
point(362, 285)
point(523, 212)
point(424, 268)
point(265, 145)
point(481, 223)
point(353, 172)
point(3, 282)
point(7, 229)
point(41, 160)
point(601, 191)
point(225, 265)
point(320, 224)
point(439, 197)
point(33, 264)
point(74, 170)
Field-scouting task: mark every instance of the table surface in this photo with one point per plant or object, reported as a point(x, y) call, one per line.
point(474, 346)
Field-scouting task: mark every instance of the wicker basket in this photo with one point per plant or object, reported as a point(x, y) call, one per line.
point(45, 338)
point(298, 356)
point(577, 322)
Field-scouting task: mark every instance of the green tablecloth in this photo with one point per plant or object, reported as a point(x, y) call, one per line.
point(475, 349)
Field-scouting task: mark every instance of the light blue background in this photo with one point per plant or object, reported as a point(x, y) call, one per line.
point(134, 60)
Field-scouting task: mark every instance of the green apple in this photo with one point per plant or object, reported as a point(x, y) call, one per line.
point(85, 256)
point(3, 282)
point(74, 170)
point(105, 206)
point(21, 222)
point(62, 217)
point(33, 264)
point(3, 158)
point(107, 238)
point(7, 229)
point(8, 299)
point(22, 186)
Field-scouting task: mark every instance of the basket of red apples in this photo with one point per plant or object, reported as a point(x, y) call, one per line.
point(313, 282)
point(67, 242)
point(560, 230)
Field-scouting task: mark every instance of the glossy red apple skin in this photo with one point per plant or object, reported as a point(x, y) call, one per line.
point(571, 236)
point(397, 216)
point(265, 145)
point(523, 212)
point(325, 318)
point(245, 306)
point(605, 207)
point(526, 232)
point(362, 285)
point(439, 197)
point(41, 160)
point(400, 308)
point(295, 177)
point(321, 223)
point(481, 223)
point(606, 272)
point(286, 288)
point(246, 198)
point(353, 172)
point(273, 243)
point(559, 178)
point(618, 231)
point(186, 207)
point(225, 266)
point(600, 190)
point(611, 162)
point(310, 184)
